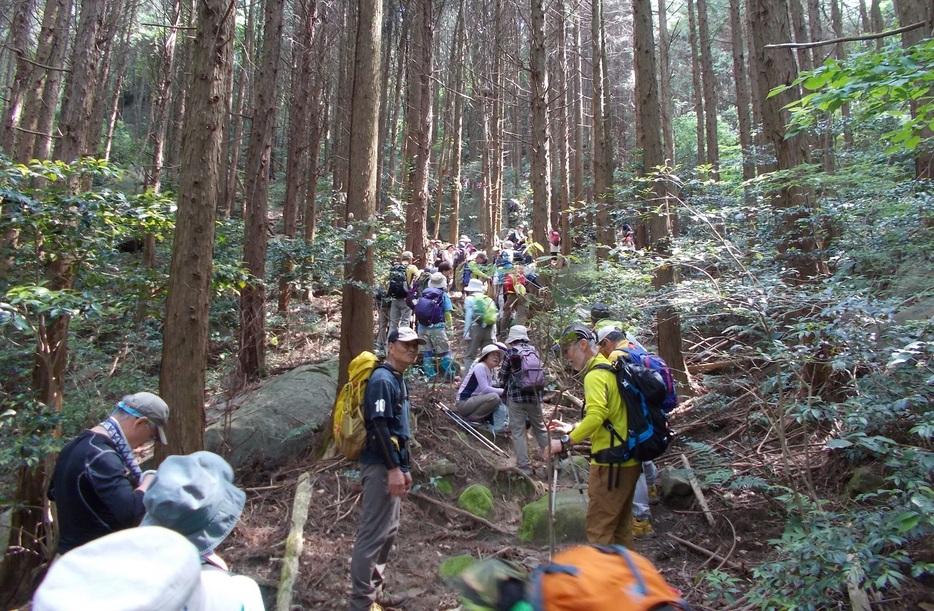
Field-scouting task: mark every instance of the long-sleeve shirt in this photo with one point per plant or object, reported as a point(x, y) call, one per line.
point(478, 382)
point(386, 414)
point(603, 402)
point(91, 489)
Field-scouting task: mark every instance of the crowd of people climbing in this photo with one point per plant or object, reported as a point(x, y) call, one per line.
point(168, 522)
point(500, 388)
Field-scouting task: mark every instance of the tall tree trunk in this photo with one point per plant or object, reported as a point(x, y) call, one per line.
point(697, 86)
point(32, 536)
point(19, 42)
point(541, 136)
point(710, 90)
point(875, 18)
point(914, 11)
point(457, 127)
point(840, 54)
point(299, 101)
point(741, 82)
point(495, 179)
point(763, 160)
point(228, 204)
point(42, 96)
point(664, 83)
point(418, 124)
point(577, 122)
point(562, 111)
point(341, 123)
point(114, 21)
point(187, 308)
point(160, 117)
point(793, 205)
point(390, 19)
point(357, 302)
point(252, 357)
point(602, 145)
point(648, 112)
point(113, 110)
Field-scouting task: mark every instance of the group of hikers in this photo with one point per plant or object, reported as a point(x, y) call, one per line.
point(502, 391)
point(167, 523)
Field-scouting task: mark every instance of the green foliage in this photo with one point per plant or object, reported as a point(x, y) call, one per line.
point(876, 84)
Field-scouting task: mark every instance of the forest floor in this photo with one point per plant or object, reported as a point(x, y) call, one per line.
point(743, 523)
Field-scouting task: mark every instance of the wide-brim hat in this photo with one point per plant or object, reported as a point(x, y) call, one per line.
point(516, 333)
point(437, 281)
point(195, 496)
point(474, 286)
point(145, 569)
point(489, 349)
point(149, 405)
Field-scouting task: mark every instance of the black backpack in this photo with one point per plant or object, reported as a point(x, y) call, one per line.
point(644, 391)
point(398, 287)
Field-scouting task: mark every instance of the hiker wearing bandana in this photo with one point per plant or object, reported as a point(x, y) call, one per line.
point(97, 484)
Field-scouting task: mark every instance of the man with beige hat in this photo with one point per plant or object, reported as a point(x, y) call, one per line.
point(97, 484)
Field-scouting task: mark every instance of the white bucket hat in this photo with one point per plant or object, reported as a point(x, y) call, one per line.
point(437, 281)
point(488, 349)
point(517, 332)
point(146, 569)
point(474, 286)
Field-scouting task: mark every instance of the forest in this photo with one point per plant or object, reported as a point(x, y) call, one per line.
point(198, 197)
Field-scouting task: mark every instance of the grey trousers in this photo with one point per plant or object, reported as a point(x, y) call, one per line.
point(400, 315)
point(379, 522)
point(517, 414)
point(477, 407)
point(480, 336)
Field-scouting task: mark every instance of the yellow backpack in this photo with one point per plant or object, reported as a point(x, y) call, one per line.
point(349, 427)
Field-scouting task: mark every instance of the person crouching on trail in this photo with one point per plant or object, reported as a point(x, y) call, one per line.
point(477, 398)
point(611, 486)
point(384, 469)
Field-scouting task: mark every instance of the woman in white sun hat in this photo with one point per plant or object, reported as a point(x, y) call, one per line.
point(477, 398)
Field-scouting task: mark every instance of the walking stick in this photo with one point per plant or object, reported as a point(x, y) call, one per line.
point(470, 430)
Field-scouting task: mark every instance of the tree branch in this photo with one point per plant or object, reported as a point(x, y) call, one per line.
point(821, 43)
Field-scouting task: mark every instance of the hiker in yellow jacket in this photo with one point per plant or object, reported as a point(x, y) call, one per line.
point(611, 485)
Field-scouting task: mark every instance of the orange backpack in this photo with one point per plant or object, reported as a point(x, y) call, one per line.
point(601, 578)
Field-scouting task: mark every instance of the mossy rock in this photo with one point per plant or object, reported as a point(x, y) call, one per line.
point(453, 567)
point(570, 519)
point(864, 481)
point(477, 499)
point(444, 486)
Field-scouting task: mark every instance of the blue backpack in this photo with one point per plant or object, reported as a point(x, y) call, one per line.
point(638, 355)
point(428, 309)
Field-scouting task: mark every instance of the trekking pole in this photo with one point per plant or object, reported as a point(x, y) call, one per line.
point(552, 485)
point(552, 505)
point(469, 428)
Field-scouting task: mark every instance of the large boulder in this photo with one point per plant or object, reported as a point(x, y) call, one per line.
point(276, 420)
point(570, 518)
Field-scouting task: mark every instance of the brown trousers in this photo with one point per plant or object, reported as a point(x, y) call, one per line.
point(609, 514)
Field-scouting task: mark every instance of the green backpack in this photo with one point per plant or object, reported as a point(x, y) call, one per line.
point(484, 310)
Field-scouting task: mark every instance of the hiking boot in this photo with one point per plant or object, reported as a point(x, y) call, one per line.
point(385, 600)
point(641, 529)
point(653, 495)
